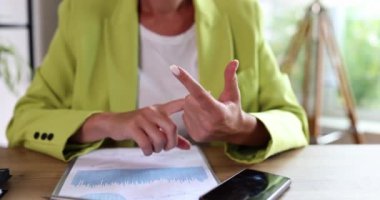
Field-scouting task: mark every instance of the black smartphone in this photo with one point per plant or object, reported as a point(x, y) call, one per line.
point(249, 185)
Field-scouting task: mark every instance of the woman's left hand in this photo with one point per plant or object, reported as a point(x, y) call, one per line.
point(209, 119)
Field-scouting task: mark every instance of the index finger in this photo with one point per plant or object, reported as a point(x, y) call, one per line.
point(173, 106)
point(194, 88)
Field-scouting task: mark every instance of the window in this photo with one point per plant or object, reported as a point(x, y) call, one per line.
point(357, 29)
point(15, 56)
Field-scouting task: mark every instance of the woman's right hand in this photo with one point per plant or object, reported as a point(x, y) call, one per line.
point(150, 127)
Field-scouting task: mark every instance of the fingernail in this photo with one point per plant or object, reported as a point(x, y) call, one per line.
point(237, 64)
point(175, 70)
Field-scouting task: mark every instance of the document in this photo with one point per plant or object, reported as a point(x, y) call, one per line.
point(125, 173)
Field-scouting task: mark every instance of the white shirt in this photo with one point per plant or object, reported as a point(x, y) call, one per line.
point(157, 84)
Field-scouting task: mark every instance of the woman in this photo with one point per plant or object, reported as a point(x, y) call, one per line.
point(106, 78)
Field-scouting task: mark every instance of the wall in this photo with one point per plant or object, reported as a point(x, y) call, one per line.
point(45, 22)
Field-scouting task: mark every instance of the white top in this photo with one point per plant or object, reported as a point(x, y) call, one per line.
point(157, 84)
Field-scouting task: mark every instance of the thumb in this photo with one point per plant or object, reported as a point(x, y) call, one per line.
point(183, 143)
point(231, 89)
point(173, 106)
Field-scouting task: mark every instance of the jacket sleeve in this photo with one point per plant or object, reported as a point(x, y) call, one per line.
point(43, 119)
point(279, 109)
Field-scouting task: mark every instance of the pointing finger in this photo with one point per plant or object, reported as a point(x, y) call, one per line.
point(195, 89)
point(173, 106)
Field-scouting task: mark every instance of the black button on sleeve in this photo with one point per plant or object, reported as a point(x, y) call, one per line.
point(50, 136)
point(36, 135)
point(44, 136)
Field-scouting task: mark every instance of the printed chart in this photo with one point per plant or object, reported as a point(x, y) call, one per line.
point(125, 173)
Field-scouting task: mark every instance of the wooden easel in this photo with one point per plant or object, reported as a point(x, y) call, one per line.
point(315, 32)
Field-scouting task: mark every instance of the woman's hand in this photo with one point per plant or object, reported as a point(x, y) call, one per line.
point(208, 119)
point(150, 127)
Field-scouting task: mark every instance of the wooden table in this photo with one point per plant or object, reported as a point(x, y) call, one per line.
point(317, 172)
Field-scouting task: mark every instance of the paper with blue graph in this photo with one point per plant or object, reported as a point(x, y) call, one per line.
point(125, 173)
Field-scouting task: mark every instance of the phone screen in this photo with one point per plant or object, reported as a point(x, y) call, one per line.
point(249, 185)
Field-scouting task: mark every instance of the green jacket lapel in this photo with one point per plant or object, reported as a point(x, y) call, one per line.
point(214, 42)
point(121, 38)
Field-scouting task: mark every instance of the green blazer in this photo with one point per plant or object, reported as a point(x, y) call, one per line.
point(92, 66)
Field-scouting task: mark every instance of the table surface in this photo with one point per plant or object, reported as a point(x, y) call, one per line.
point(317, 172)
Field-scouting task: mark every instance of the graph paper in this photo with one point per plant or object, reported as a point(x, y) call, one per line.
point(125, 173)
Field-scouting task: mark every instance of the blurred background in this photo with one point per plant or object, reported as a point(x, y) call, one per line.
point(26, 28)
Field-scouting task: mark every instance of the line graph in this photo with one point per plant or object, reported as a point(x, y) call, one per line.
point(103, 196)
point(94, 178)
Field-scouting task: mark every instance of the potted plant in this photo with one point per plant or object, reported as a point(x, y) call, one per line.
point(12, 68)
